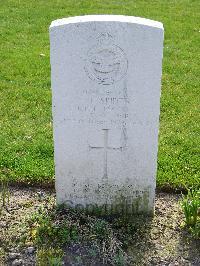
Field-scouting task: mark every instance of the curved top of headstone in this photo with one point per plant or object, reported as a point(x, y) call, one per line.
point(106, 18)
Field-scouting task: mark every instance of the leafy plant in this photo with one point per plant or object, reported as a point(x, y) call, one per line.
point(191, 207)
point(49, 257)
point(120, 259)
point(45, 230)
point(63, 227)
point(100, 228)
point(195, 231)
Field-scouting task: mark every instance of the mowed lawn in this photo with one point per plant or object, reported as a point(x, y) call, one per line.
point(26, 143)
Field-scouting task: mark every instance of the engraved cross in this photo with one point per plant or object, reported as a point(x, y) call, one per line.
point(105, 147)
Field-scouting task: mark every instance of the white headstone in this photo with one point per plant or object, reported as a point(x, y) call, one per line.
point(106, 75)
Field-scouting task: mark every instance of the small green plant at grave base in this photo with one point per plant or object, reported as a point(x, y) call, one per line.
point(63, 227)
point(78, 260)
point(119, 259)
point(48, 232)
point(195, 231)
point(45, 229)
point(191, 207)
point(100, 229)
point(49, 257)
point(5, 194)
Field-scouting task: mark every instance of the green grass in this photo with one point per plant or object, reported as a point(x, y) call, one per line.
point(25, 107)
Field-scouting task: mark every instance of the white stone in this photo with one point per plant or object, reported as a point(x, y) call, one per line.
point(106, 75)
point(13, 255)
point(17, 262)
point(30, 250)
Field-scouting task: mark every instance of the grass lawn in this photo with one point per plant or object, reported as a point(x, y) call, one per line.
point(26, 144)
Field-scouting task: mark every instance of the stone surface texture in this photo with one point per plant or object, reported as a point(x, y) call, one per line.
point(106, 78)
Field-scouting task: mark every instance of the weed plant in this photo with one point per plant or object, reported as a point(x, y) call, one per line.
point(49, 257)
point(66, 228)
point(191, 207)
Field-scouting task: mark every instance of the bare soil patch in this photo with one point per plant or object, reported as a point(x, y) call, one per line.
point(157, 241)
